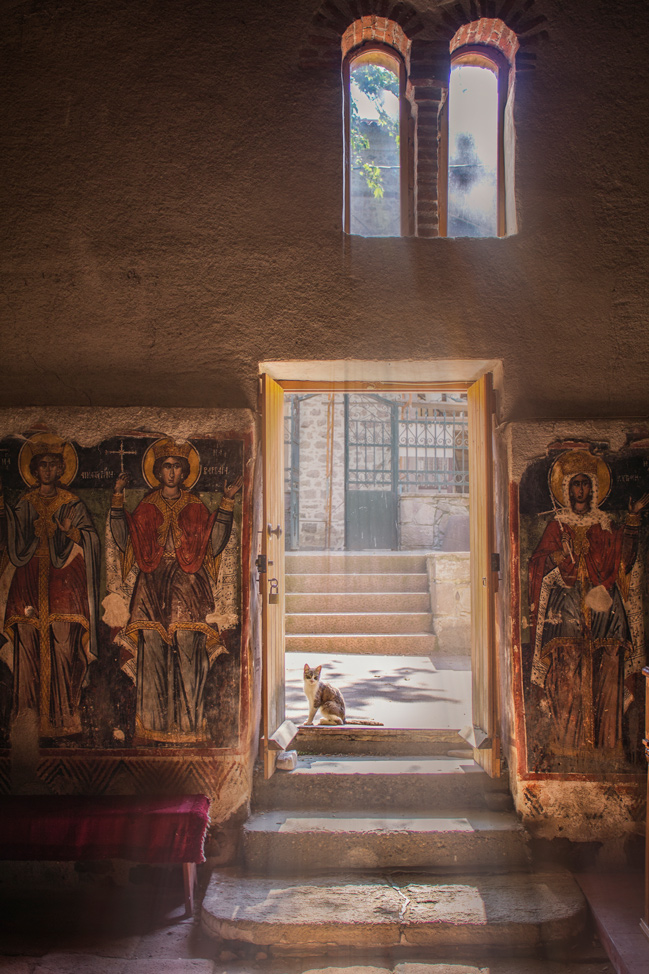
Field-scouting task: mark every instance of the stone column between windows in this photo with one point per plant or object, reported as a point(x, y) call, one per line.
point(428, 98)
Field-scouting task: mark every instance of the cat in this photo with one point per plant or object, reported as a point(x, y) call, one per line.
point(328, 700)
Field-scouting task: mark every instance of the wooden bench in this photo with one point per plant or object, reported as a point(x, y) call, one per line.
point(74, 828)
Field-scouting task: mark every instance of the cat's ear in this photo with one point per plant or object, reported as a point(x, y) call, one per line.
point(306, 668)
point(317, 671)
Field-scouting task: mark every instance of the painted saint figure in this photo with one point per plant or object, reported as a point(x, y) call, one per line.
point(579, 582)
point(50, 542)
point(175, 542)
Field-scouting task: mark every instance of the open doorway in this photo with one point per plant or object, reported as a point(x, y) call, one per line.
point(376, 489)
point(348, 546)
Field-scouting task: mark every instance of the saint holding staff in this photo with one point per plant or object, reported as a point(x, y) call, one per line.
point(175, 542)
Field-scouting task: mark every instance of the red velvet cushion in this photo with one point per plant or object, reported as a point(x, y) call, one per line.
point(75, 827)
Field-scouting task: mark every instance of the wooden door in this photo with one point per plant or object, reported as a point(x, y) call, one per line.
point(272, 580)
point(484, 735)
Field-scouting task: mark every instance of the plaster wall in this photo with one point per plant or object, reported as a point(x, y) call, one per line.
point(172, 199)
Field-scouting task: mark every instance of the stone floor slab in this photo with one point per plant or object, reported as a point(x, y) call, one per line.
point(285, 912)
point(167, 965)
point(521, 911)
point(522, 966)
point(63, 963)
point(349, 970)
point(515, 910)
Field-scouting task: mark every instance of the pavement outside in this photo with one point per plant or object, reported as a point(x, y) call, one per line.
point(400, 691)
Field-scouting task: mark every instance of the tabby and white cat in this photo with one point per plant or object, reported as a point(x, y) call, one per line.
point(328, 699)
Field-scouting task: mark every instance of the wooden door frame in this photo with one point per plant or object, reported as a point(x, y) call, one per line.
point(483, 734)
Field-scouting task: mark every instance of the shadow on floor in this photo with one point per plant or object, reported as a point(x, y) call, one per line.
point(400, 691)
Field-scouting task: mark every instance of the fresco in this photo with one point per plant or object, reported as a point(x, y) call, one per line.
point(120, 590)
point(583, 526)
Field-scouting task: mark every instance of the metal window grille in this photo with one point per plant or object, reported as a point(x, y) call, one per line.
point(371, 432)
point(434, 447)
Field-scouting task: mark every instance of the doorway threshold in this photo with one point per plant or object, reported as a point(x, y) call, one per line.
point(381, 741)
point(422, 705)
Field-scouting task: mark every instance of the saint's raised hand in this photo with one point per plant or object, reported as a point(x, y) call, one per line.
point(636, 506)
point(229, 490)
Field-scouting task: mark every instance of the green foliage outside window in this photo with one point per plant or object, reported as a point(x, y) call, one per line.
point(373, 80)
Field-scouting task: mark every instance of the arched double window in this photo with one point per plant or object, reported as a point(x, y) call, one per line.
point(455, 177)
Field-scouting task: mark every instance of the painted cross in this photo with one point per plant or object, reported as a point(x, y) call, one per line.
point(121, 453)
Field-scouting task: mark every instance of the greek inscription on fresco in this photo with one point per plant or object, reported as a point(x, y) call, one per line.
point(120, 590)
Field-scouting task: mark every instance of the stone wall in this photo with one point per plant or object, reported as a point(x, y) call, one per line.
point(424, 518)
point(450, 602)
point(322, 472)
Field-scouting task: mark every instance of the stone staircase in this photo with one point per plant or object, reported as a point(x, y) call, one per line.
point(358, 602)
point(402, 858)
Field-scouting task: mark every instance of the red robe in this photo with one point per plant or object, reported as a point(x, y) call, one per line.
point(190, 524)
point(606, 552)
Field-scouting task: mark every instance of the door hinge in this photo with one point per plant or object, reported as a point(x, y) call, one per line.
point(495, 561)
point(260, 564)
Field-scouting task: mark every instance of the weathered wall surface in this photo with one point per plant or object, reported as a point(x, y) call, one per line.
point(122, 671)
point(579, 618)
point(172, 196)
point(171, 199)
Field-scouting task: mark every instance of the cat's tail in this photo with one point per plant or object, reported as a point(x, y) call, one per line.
point(362, 722)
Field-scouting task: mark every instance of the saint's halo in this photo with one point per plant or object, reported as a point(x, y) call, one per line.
point(168, 447)
point(41, 444)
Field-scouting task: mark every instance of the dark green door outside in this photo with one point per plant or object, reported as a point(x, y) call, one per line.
point(371, 470)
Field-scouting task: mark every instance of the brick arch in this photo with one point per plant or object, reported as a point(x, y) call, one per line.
point(489, 32)
point(431, 31)
point(518, 17)
point(334, 18)
point(380, 30)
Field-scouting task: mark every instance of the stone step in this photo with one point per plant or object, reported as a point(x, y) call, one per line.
point(308, 562)
point(379, 783)
point(386, 644)
point(517, 912)
point(304, 841)
point(378, 742)
point(375, 961)
point(358, 602)
point(337, 582)
point(330, 623)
